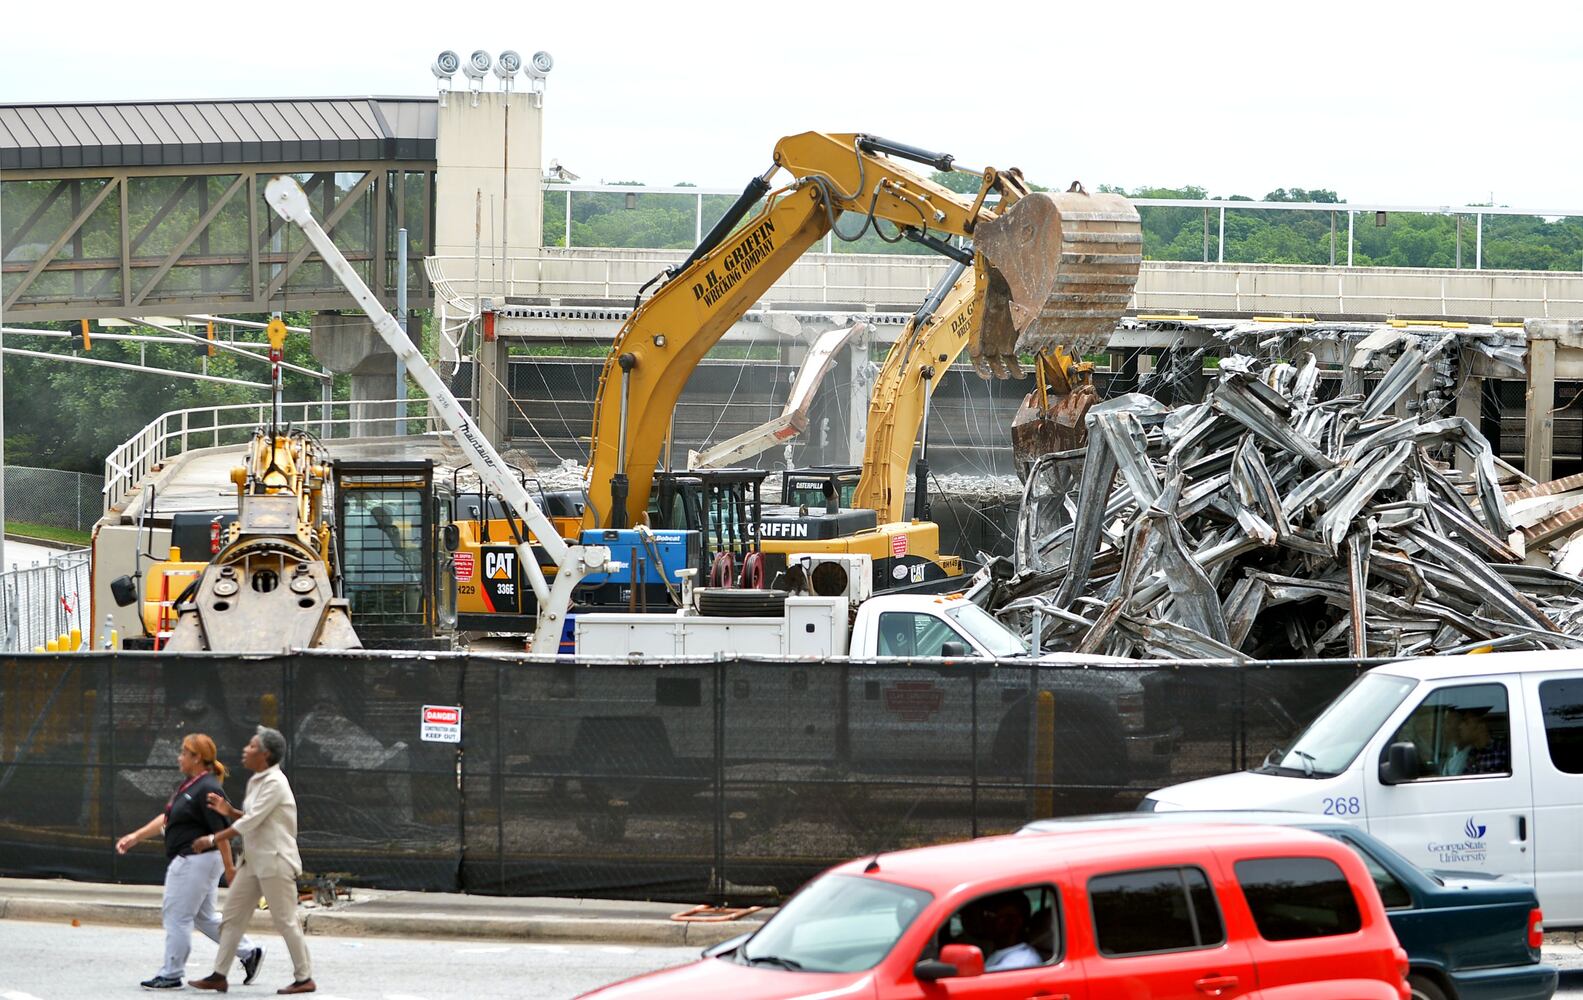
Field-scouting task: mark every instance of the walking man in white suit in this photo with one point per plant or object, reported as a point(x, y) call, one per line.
point(267, 822)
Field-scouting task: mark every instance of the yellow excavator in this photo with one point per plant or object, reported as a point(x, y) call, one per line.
point(1043, 270)
point(1049, 270)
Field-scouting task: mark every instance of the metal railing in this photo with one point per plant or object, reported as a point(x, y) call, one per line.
point(41, 603)
point(178, 431)
point(1210, 206)
point(616, 273)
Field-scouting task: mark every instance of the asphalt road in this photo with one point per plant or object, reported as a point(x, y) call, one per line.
point(40, 961)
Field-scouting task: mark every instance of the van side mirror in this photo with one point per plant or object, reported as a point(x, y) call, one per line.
point(124, 590)
point(956, 961)
point(1401, 764)
point(953, 649)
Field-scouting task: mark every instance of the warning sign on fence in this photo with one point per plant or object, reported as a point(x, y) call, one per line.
point(441, 724)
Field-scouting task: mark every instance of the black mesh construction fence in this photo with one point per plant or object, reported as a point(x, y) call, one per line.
point(699, 781)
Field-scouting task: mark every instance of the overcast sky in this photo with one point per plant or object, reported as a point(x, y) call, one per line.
point(1406, 103)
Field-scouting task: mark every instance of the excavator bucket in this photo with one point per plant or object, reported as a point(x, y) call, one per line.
point(1060, 271)
point(1053, 416)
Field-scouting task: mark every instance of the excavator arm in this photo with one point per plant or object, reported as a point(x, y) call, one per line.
point(1046, 271)
point(932, 341)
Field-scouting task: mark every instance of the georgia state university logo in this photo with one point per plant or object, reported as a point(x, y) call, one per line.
point(1471, 850)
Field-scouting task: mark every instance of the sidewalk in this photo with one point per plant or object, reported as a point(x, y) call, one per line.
point(395, 913)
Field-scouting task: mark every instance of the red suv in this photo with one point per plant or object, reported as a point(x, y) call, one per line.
point(1171, 914)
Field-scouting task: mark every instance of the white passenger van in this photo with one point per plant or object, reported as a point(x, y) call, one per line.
point(1459, 762)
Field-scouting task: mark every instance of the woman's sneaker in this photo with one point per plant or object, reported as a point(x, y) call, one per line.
point(161, 983)
point(251, 963)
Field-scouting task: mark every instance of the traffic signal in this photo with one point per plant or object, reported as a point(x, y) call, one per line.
point(208, 329)
point(81, 339)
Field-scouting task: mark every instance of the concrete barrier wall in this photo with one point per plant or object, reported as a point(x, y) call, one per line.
point(1163, 286)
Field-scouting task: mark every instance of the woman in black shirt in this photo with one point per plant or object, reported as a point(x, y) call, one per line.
point(191, 879)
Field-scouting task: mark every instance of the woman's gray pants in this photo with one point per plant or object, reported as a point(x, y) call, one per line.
point(191, 889)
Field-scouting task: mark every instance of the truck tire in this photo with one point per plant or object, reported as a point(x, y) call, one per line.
point(728, 603)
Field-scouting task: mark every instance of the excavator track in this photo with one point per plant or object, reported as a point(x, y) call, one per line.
point(1082, 251)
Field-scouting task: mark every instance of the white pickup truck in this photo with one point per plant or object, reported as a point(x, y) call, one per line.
point(889, 685)
point(910, 625)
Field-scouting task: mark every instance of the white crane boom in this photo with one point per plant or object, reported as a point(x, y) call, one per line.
point(573, 562)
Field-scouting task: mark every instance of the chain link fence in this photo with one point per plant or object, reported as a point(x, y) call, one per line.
point(53, 497)
point(684, 781)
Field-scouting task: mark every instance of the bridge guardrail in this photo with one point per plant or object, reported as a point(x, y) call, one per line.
point(178, 431)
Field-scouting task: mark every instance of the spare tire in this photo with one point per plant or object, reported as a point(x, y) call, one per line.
point(726, 602)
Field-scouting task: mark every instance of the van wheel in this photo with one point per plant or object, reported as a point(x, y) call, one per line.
point(1425, 988)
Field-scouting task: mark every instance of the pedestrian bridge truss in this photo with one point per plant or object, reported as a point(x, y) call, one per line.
point(148, 208)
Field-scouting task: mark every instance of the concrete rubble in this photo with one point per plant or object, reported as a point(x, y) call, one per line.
point(1268, 522)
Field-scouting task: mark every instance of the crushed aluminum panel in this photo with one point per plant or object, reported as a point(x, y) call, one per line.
point(1125, 439)
point(1099, 473)
point(1242, 609)
point(1495, 590)
point(1404, 374)
point(1359, 488)
point(1233, 399)
point(1358, 583)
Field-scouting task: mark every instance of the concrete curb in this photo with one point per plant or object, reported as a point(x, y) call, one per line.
point(429, 924)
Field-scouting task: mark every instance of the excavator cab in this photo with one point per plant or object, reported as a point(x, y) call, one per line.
point(387, 517)
point(726, 508)
point(830, 487)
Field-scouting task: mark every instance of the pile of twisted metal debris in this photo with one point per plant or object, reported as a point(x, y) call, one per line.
point(1266, 521)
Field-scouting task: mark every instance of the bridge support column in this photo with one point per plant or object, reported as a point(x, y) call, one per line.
point(346, 344)
point(494, 399)
point(1544, 338)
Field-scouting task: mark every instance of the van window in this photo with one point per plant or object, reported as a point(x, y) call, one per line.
point(906, 633)
point(1015, 929)
point(1460, 732)
point(1562, 701)
point(1329, 746)
point(1160, 909)
point(1294, 898)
